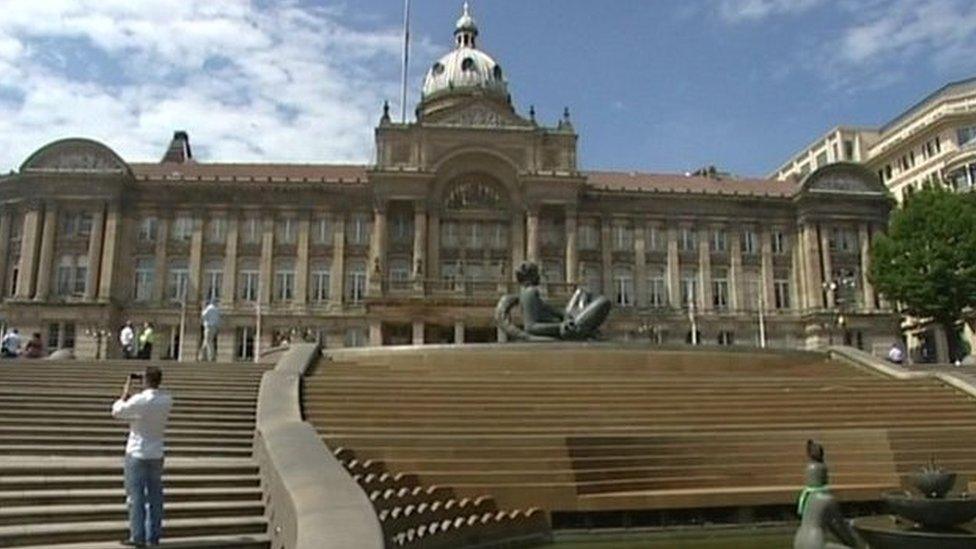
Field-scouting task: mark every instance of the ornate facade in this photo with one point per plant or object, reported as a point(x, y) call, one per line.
point(417, 247)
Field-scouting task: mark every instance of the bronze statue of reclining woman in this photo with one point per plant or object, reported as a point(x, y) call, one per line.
point(580, 320)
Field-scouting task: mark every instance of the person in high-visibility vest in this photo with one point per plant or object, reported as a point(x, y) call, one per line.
point(146, 339)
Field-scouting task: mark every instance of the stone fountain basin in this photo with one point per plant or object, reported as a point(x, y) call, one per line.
point(932, 513)
point(886, 532)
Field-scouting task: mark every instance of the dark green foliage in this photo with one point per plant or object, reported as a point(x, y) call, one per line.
point(927, 261)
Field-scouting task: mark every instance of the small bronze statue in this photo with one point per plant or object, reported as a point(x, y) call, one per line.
point(819, 512)
point(542, 322)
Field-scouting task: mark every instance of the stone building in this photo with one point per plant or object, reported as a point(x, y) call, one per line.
point(933, 142)
point(418, 246)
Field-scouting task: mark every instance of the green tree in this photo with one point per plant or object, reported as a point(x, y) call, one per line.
point(927, 260)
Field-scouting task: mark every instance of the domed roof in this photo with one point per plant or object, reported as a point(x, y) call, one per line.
point(466, 67)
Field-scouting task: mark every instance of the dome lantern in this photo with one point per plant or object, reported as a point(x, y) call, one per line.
point(465, 31)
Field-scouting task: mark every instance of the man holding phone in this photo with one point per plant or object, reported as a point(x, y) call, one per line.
point(146, 412)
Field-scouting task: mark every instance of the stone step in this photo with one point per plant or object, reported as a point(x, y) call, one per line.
point(101, 414)
point(83, 450)
point(106, 404)
point(101, 466)
point(106, 420)
point(229, 541)
point(92, 496)
point(244, 440)
point(72, 482)
point(58, 532)
point(172, 433)
point(87, 512)
point(229, 398)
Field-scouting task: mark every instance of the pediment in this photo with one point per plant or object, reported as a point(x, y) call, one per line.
point(75, 155)
point(478, 114)
point(843, 178)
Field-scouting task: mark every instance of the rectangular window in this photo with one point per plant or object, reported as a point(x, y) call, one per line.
point(248, 283)
point(688, 239)
point(589, 237)
point(284, 284)
point(399, 273)
point(213, 280)
point(657, 291)
point(356, 284)
point(401, 229)
point(848, 149)
point(145, 272)
point(321, 280)
point(217, 230)
point(750, 242)
point(178, 279)
point(251, 231)
point(623, 238)
point(780, 242)
point(148, 227)
point(822, 159)
point(654, 238)
point(499, 236)
point(322, 233)
point(623, 283)
point(80, 282)
point(781, 289)
point(286, 231)
point(63, 284)
point(355, 337)
point(475, 235)
point(720, 294)
point(53, 336)
point(244, 337)
point(357, 230)
point(182, 228)
point(689, 290)
point(718, 241)
point(449, 235)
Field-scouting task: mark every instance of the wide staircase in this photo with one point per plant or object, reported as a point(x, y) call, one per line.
point(592, 428)
point(61, 455)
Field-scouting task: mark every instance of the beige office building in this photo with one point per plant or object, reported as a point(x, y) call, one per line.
point(417, 247)
point(933, 142)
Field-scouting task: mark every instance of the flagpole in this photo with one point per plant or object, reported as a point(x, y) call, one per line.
point(406, 61)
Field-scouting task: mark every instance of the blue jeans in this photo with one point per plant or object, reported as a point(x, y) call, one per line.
point(144, 491)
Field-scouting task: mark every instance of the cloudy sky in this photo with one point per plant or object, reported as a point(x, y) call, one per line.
point(654, 85)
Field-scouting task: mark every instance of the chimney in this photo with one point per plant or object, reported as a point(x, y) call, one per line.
point(179, 149)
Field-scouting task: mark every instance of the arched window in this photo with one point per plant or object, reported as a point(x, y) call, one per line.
point(474, 195)
point(467, 64)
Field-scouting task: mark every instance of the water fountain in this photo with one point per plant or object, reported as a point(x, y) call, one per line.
point(932, 518)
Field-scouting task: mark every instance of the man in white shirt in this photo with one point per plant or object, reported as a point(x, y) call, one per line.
point(146, 413)
point(10, 344)
point(210, 317)
point(127, 338)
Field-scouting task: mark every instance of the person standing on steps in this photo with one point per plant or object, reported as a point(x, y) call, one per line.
point(10, 345)
point(127, 338)
point(147, 413)
point(146, 339)
point(210, 318)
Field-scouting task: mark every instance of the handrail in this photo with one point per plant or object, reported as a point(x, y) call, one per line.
point(894, 371)
point(312, 502)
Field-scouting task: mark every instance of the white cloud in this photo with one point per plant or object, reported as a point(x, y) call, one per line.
point(282, 82)
point(753, 10)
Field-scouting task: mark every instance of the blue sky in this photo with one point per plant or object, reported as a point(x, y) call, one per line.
point(652, 85)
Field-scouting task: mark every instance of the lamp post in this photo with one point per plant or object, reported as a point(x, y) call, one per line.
point(837, 291)
point(99, 334)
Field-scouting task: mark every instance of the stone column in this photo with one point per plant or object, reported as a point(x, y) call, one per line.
point(502, 336)
point(827, 268)
point(941, 344)
point(266, 267)
point(95, 253)
point(864, 237)
point(338, 269)
point(30, 237)
point(418, 332)
point(458, 332)
point(704, 270)
point(532, 235)
point(5, 223)
point(229, 283)
point(194, 268)
point(814, 279)
point(375, 332)
point(159, 278)
point(797, 283)
point(518, 243)
point(420, 267)
point(606, 254)
point(110, 246)
point(301, 260)
point(433, 267)
point(674, 269)
point(640, 264)
point(736, 296)
point(572, 248)
point(766, 269)
point(377, 251)
point(225, 343)
point(45, 264)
